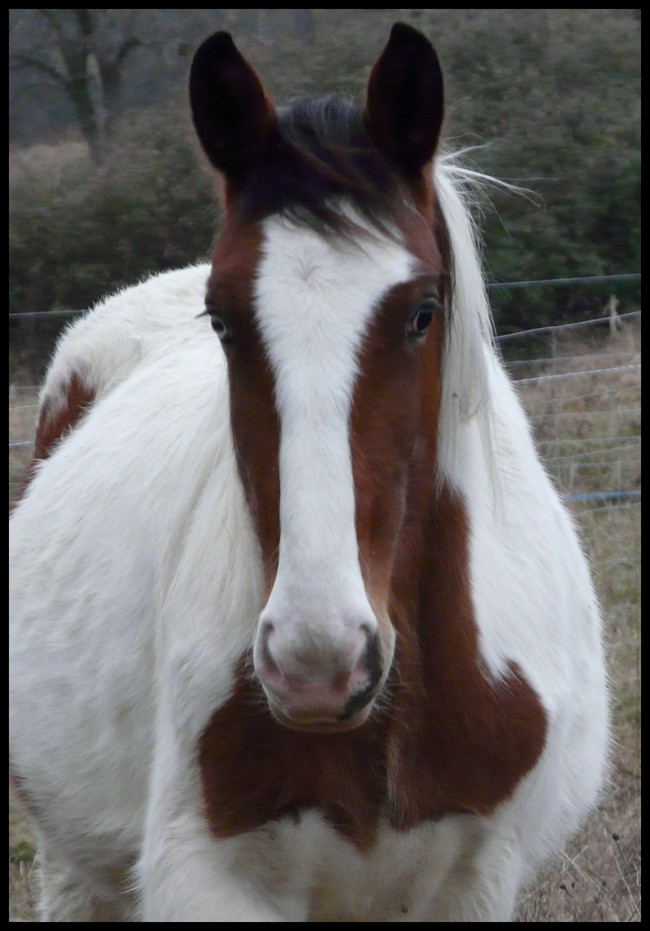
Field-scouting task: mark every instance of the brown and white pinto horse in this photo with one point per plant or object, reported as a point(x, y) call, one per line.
point(300, 629)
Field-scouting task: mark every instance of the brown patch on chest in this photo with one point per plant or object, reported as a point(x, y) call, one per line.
point(254, 770)
point(445, 739)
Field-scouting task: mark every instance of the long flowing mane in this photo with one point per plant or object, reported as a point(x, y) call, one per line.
point(470, 349)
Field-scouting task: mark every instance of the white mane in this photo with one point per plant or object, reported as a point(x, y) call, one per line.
point(470, 349)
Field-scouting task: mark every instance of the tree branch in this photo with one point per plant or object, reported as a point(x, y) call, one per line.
point(126, 48)
point(21, 60)
point(85, 22)
point(52, 21)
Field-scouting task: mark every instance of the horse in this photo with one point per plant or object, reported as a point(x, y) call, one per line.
point(301, 629)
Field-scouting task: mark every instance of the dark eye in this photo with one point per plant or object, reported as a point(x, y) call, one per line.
point(219, 325)
point(420, 319)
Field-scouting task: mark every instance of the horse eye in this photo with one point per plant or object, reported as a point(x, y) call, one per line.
point(421, 318)
point(219, 326)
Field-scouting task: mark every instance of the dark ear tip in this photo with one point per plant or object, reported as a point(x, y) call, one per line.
point(403, 33)
point(220, 44)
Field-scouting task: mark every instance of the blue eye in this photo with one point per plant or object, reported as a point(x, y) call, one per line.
point(420, 320)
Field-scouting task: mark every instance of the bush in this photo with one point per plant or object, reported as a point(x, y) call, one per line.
point(551, 95)
point(77, 232)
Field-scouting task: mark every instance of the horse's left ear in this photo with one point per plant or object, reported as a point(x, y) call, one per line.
point(234, 119)
point(404, 106)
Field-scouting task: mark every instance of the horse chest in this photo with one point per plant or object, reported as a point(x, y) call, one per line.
point(312, 873)
point(396, 880)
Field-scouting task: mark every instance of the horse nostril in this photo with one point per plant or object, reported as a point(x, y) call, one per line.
point(265, 656)
point(357, 702)
point(368, 671)
point(372, 657)
point(318, 677)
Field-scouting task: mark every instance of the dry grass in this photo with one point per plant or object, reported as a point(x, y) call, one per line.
point(21, 863)
point(53, 159)
point(588, 429)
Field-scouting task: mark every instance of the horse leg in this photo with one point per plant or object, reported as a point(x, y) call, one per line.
point(481, 886)
point(67, 893)
point(186, 875)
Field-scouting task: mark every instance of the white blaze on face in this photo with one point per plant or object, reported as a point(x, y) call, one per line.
point(314, 300)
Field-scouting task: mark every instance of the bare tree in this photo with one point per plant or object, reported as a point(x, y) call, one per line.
point(83, 53)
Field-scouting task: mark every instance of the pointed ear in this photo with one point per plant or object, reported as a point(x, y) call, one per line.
point(404, 105)
point(234, 119)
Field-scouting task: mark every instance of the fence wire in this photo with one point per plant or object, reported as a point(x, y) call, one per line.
point(585, 415)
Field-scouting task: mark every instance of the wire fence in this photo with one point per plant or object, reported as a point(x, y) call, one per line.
point(581, 388)
point(580, 385)
point(583, 404)
point(582, 396)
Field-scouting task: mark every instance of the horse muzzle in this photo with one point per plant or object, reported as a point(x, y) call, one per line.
point(316, 684)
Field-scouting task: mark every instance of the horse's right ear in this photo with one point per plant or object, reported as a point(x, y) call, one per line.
point(234, 119)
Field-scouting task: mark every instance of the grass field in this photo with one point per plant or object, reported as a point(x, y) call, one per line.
point(588, 430)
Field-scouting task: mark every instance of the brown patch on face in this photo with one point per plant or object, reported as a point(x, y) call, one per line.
point(445, 738)
point(395, 413)
point(254, 420)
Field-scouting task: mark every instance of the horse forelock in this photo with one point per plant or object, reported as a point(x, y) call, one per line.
point(323, 155)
